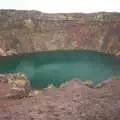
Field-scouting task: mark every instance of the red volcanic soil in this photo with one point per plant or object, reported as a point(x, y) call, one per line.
point(74, 100)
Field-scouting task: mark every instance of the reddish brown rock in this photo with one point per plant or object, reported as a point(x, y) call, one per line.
point(32, 31)
point(74, 101)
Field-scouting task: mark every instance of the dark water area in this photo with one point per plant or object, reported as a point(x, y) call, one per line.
point(57, 67)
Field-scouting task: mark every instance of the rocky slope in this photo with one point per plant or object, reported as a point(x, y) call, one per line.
point(32, 31)
point(74, 100)
point(18, 86)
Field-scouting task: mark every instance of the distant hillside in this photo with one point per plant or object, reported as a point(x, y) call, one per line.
point(32, 31)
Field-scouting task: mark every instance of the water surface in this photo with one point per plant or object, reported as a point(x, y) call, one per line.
point(56, 67)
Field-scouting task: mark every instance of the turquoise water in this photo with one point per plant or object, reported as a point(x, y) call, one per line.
point(56, 67)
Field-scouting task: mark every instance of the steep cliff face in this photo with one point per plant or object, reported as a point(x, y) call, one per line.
point(32, 31)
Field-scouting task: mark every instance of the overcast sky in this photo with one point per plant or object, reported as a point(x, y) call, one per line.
point(61, 6)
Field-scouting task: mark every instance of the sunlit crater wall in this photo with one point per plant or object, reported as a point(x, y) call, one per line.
point(32, 31)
